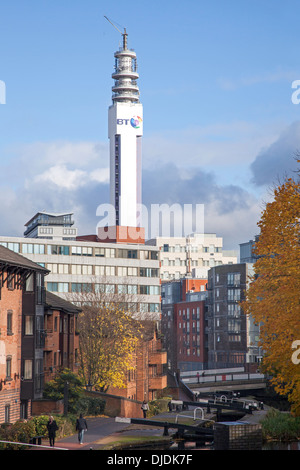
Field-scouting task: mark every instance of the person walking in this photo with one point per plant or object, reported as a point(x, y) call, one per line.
point(52, 428)
point(81, 426)
point(145, 408)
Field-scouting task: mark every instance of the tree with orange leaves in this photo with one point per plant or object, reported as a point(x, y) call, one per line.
point(273, 297)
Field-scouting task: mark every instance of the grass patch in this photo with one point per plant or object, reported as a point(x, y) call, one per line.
point(126, 442)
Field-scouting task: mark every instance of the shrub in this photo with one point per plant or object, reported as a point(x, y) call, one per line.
point(20, 431)
point(280, 426)
point(54, 389)
point(158, 406)
point(65, 425)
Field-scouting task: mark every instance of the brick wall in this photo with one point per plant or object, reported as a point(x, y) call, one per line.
point(119, 406)
point(235, 436)
point(10, 348)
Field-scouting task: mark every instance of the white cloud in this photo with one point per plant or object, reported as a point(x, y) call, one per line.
point(101, 175)
point(79, 153)
point(205, 165)
point(219, 145)
point(278, 159)
point(60, 176)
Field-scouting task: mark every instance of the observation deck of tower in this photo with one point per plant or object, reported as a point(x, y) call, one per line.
point(125, 89)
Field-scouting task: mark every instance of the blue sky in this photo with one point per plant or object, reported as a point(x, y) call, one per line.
point(215, 83)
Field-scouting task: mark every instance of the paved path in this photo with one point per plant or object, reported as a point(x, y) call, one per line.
point(102, 431)
point(99, 433)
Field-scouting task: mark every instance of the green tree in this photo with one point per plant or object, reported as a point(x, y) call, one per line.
point(54, 389)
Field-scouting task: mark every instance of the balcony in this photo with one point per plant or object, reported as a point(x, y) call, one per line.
point(49, 340)
point(158, 382)
point(158, 357)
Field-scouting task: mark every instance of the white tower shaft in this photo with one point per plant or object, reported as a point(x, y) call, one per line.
point(125, 130)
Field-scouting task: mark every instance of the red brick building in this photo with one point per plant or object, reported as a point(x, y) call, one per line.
point(184, 323)
point(10, 351)
point(61, 336)
point(189, 323)
point(148, 378)
point(21, 317)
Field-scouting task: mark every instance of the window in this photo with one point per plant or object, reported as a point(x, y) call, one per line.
point(63, 287)
point(233, 279)
point(234, 310)
point(109, 289)
point(234, 338)
point(122, 271)
point(148, 272)
point(33, 248)
point(149, 290)
point(132, 254)
point(58, 287)
point(8, 367)
point(87, 269)
point(234, 295)
point(52, 286)
point(81, 287)
point(99, 270)
point(76, 250)
point(132, 289)
point(234, 326)
point(27, 369)
point(87, 251)
point(58, 250)
point(13, 247)
point(63, 269)
point(28, 330)
point(7, 414)
point(110, 270)
point(29, 283)
point(81, 269)
point(122, 289)
point(9, 322)
point(110, 252)
point(132, 271)
point(100, 252)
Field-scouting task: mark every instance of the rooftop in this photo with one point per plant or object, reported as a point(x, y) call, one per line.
point(9, 257)
point(57, 303)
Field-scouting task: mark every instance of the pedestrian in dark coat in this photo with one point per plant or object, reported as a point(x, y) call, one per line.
point(81, 426)
point(52, 428)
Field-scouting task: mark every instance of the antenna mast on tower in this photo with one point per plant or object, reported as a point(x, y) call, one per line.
point(123, 34)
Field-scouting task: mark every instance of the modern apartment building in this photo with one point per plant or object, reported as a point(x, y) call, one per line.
point(130, 272)
point(192, 255)
point(232, 336)
point(51, 226)
point(184, 324)
point(246, 251)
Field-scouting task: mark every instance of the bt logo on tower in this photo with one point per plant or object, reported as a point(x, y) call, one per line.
point(135, 122)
